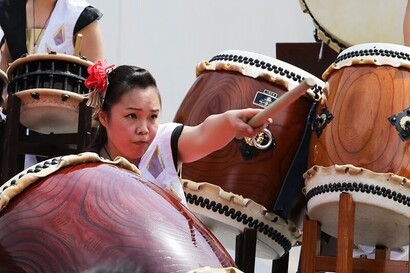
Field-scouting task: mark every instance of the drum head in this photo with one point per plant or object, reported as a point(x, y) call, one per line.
point(227, 214)
point(341, 24)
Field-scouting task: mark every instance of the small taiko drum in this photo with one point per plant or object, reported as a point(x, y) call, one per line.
point(342, 24)
point(79, 212)
point(236, 79)
point(364, 121)
point(51, 88)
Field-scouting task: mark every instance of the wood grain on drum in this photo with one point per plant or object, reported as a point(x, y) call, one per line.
point(361, 100)
point(260, 176)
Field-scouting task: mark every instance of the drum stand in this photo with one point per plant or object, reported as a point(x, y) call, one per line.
point(245, 253)
point(17, 143)
point(312, 261)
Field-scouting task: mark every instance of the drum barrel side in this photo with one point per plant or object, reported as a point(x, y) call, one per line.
point(362, 100)
point(238, 167)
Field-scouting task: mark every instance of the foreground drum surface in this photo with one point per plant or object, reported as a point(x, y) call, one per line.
point(78, 213)
point(342, 24)
point(51, 88)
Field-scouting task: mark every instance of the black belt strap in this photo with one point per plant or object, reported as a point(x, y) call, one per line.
point(292, 184)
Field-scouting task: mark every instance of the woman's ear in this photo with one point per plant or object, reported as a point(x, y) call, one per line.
point(103, 118)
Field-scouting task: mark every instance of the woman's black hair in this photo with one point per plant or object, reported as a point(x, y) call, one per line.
point(121, 80)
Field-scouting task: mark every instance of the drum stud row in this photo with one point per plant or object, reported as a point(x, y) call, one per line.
point(359, 187)
point(375, 52)
point(247, 220)
point(264, 65)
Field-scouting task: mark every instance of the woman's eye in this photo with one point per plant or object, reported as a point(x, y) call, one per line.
point(154, 116)
point(133, 116)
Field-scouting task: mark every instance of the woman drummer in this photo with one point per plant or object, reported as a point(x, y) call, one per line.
point(128, 106)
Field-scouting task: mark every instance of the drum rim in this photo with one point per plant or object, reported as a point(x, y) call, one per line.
point(51, 91)
point(261, 222)
point(335, 40)
point(18, 183)
point(370, 53)
point(324, 184)
point(322, 33)
point(261, 66)
point(46, 57)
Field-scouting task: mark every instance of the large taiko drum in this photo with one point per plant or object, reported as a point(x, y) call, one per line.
point(236, 79)
point(342, 24)
point(363, 122)
point(51, 88)
point(80, 212)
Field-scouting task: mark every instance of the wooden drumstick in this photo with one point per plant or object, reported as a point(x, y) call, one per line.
point(283, 101)
point(77, 45)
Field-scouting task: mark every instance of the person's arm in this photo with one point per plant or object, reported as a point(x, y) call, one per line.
point(5, 57)
point(215, 132)
point(4, 62)
point(406, 25)
point(92, 42)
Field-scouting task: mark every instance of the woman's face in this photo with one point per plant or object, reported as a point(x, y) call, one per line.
point(132, 123)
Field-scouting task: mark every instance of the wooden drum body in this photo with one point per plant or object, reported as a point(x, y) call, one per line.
point(51, 87)
point(225, 83)
point(367, 103)
point(360, 144)
point(237, 79)
point(79, 212)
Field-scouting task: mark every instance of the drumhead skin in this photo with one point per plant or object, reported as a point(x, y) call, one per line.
point(342, 24)
point(51, 88)
point(382, 201)
point(81, 212)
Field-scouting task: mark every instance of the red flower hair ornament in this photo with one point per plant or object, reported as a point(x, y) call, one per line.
point(97, 82)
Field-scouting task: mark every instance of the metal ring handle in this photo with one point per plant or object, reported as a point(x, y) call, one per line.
point(263, 146)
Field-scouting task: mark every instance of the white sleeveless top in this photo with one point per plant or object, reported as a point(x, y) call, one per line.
point(58, 35)
point(157, 164)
